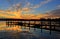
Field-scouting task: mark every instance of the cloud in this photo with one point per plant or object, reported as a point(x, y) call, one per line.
point(15, 11)
point(53, 14)
point(42, 3)
point(15, 7)
point(30, 5)
point(19, 6)
point(34, 16)
point(58, 6)
point(27, 7)
point(9, 14)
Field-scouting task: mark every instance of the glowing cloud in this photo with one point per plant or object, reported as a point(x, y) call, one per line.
point(10, 14)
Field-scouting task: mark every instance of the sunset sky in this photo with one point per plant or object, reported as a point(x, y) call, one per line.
point(29, 9)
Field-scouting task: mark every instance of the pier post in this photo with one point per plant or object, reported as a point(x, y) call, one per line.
point(25, 24)
point(54, 25)
point(8, 23)
point(41, 25)
point(13, 23)
point(21, 25)
point(29, 25)
point(59, 22)
point(35, 25)
point(50, 26)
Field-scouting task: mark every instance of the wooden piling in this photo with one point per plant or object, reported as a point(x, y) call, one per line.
point(50, 26)
point(41, 25)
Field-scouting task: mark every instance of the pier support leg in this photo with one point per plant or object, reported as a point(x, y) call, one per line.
point(29, 25)
point(41, 25)
point(50, 27)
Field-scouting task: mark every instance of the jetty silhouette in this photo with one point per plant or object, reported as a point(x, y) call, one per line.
point(49, 24)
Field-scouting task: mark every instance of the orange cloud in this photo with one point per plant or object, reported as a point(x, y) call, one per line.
point(33, 16)
point(10, 14)
point(18, 14)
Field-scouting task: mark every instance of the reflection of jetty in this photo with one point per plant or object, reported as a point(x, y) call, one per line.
point(51, 24)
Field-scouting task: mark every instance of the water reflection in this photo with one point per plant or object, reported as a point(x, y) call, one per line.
point(18, 32)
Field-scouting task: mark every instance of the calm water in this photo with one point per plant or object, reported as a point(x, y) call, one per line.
point(16, 32)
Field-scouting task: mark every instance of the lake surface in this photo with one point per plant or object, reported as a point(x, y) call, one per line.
point(18, 32)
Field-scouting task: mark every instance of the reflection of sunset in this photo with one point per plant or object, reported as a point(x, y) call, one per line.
point(3, 26)
point(16, 28)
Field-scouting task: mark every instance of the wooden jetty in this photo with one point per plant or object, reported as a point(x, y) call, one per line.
point(50, 24)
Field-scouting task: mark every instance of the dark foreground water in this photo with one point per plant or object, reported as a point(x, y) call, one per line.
point(16, 32)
